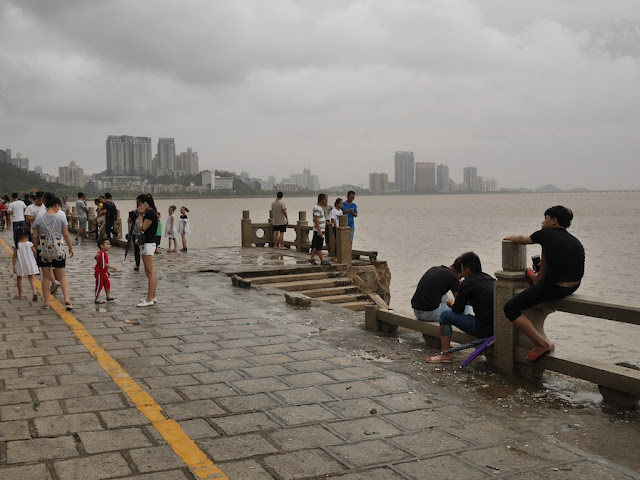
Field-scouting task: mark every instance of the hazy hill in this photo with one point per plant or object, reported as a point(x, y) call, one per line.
point(548, 189)
point(14, 179)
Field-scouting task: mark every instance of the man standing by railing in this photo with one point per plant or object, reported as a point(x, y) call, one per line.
point(350, 209)
point(280, 221)
point(561, 270)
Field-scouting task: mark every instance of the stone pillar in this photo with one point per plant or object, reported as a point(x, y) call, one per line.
point(302, 236)
point(246, 229)
point(343, 241)
point(331, 249)
point(510, 279)
point(270, 222)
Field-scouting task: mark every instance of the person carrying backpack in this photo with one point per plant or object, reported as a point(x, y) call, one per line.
point(50, 232)
point(111, 214)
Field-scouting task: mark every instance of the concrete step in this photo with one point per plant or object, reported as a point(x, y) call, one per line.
point(340, 299)
point(308, 284)
point(293, 277)
point(325, 292)
point(358, 306)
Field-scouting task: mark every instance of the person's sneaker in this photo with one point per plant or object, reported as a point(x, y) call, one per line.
point(313, 262)
point(326, 262)
point(144, 303)
point(111, 299)
point(135, 269)
point(54, 286)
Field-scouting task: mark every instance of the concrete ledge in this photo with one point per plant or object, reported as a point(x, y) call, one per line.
point(407, 320)
point(606, 374)
point(297, 299)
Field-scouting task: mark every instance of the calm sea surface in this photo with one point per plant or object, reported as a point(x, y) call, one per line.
point(414, 233)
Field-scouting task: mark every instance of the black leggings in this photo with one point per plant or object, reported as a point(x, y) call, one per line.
point(538, 293)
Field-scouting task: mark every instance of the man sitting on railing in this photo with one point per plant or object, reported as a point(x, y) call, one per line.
point(431, 295)
point(477, 291)
point(561, 269)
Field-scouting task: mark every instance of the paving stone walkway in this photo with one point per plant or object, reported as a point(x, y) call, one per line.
point(244, 378)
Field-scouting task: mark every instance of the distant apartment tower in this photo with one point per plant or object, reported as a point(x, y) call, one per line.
point(72, 175)
point(470, 176)
point(127, 155)
point(442, 178)
point(166, 162)
point(405, 171)
point(187, 162)
point(19, 161)
point(425, 177)
point(378, 182)
point(208, 179)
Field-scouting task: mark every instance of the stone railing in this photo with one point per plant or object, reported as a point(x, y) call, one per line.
point(261, 234)
point(618, 384)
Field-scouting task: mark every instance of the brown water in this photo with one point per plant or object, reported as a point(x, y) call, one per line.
point(414, 233)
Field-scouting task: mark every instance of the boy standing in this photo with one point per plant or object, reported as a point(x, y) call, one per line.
point(102, 271)
point(319, 223)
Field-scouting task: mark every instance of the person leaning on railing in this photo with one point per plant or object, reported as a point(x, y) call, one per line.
point(561, 270)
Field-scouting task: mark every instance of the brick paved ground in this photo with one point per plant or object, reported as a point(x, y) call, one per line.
point(250, 380)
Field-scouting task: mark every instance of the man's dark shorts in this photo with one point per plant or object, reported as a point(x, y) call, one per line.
point(280, 228)
point(317, 242)
point(59, 263)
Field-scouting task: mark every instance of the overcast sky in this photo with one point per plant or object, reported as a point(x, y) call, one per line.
point(531, 92)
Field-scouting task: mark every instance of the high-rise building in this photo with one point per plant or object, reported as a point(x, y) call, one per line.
point(442, 178)
point(20, 161)
point(425, 177)
point(166, 163)
point(208, 179)
point(127, 155)
point(405, 171)
point(72, 175)
point(187, 162)
point(470, 176)
point(378, 182)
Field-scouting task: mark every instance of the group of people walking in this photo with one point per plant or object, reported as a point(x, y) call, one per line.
point(42, 242)
point(472, 307)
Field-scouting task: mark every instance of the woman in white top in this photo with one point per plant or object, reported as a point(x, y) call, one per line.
point(171, 230)
point(53, 220)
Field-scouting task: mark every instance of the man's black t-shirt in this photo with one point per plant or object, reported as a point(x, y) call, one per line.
point(110, 209)
point(477, 291)
point(563, 252)
point(150, 232)
point(432, 286)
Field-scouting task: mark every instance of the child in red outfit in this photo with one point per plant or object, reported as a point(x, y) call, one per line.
point(102, 271)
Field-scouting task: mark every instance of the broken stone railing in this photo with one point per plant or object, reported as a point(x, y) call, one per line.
point(617, 384)
point(261, 234)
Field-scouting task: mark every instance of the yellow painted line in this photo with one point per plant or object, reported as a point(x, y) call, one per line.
point(182, 445)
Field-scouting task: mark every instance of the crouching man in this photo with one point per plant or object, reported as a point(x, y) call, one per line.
point(476, 290)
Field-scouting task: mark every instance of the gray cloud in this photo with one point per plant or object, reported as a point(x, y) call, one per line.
point(531, 93)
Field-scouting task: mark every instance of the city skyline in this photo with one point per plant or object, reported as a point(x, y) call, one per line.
point(539, 92)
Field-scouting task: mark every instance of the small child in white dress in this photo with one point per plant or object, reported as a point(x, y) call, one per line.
point(171, 230)
point(183, 227)
point(24, 262)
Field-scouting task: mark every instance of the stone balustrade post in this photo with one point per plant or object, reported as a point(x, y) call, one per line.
point(343, 241)
point(246, 229)
point(510, 279)
point(270, 222)
point(302, 235)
